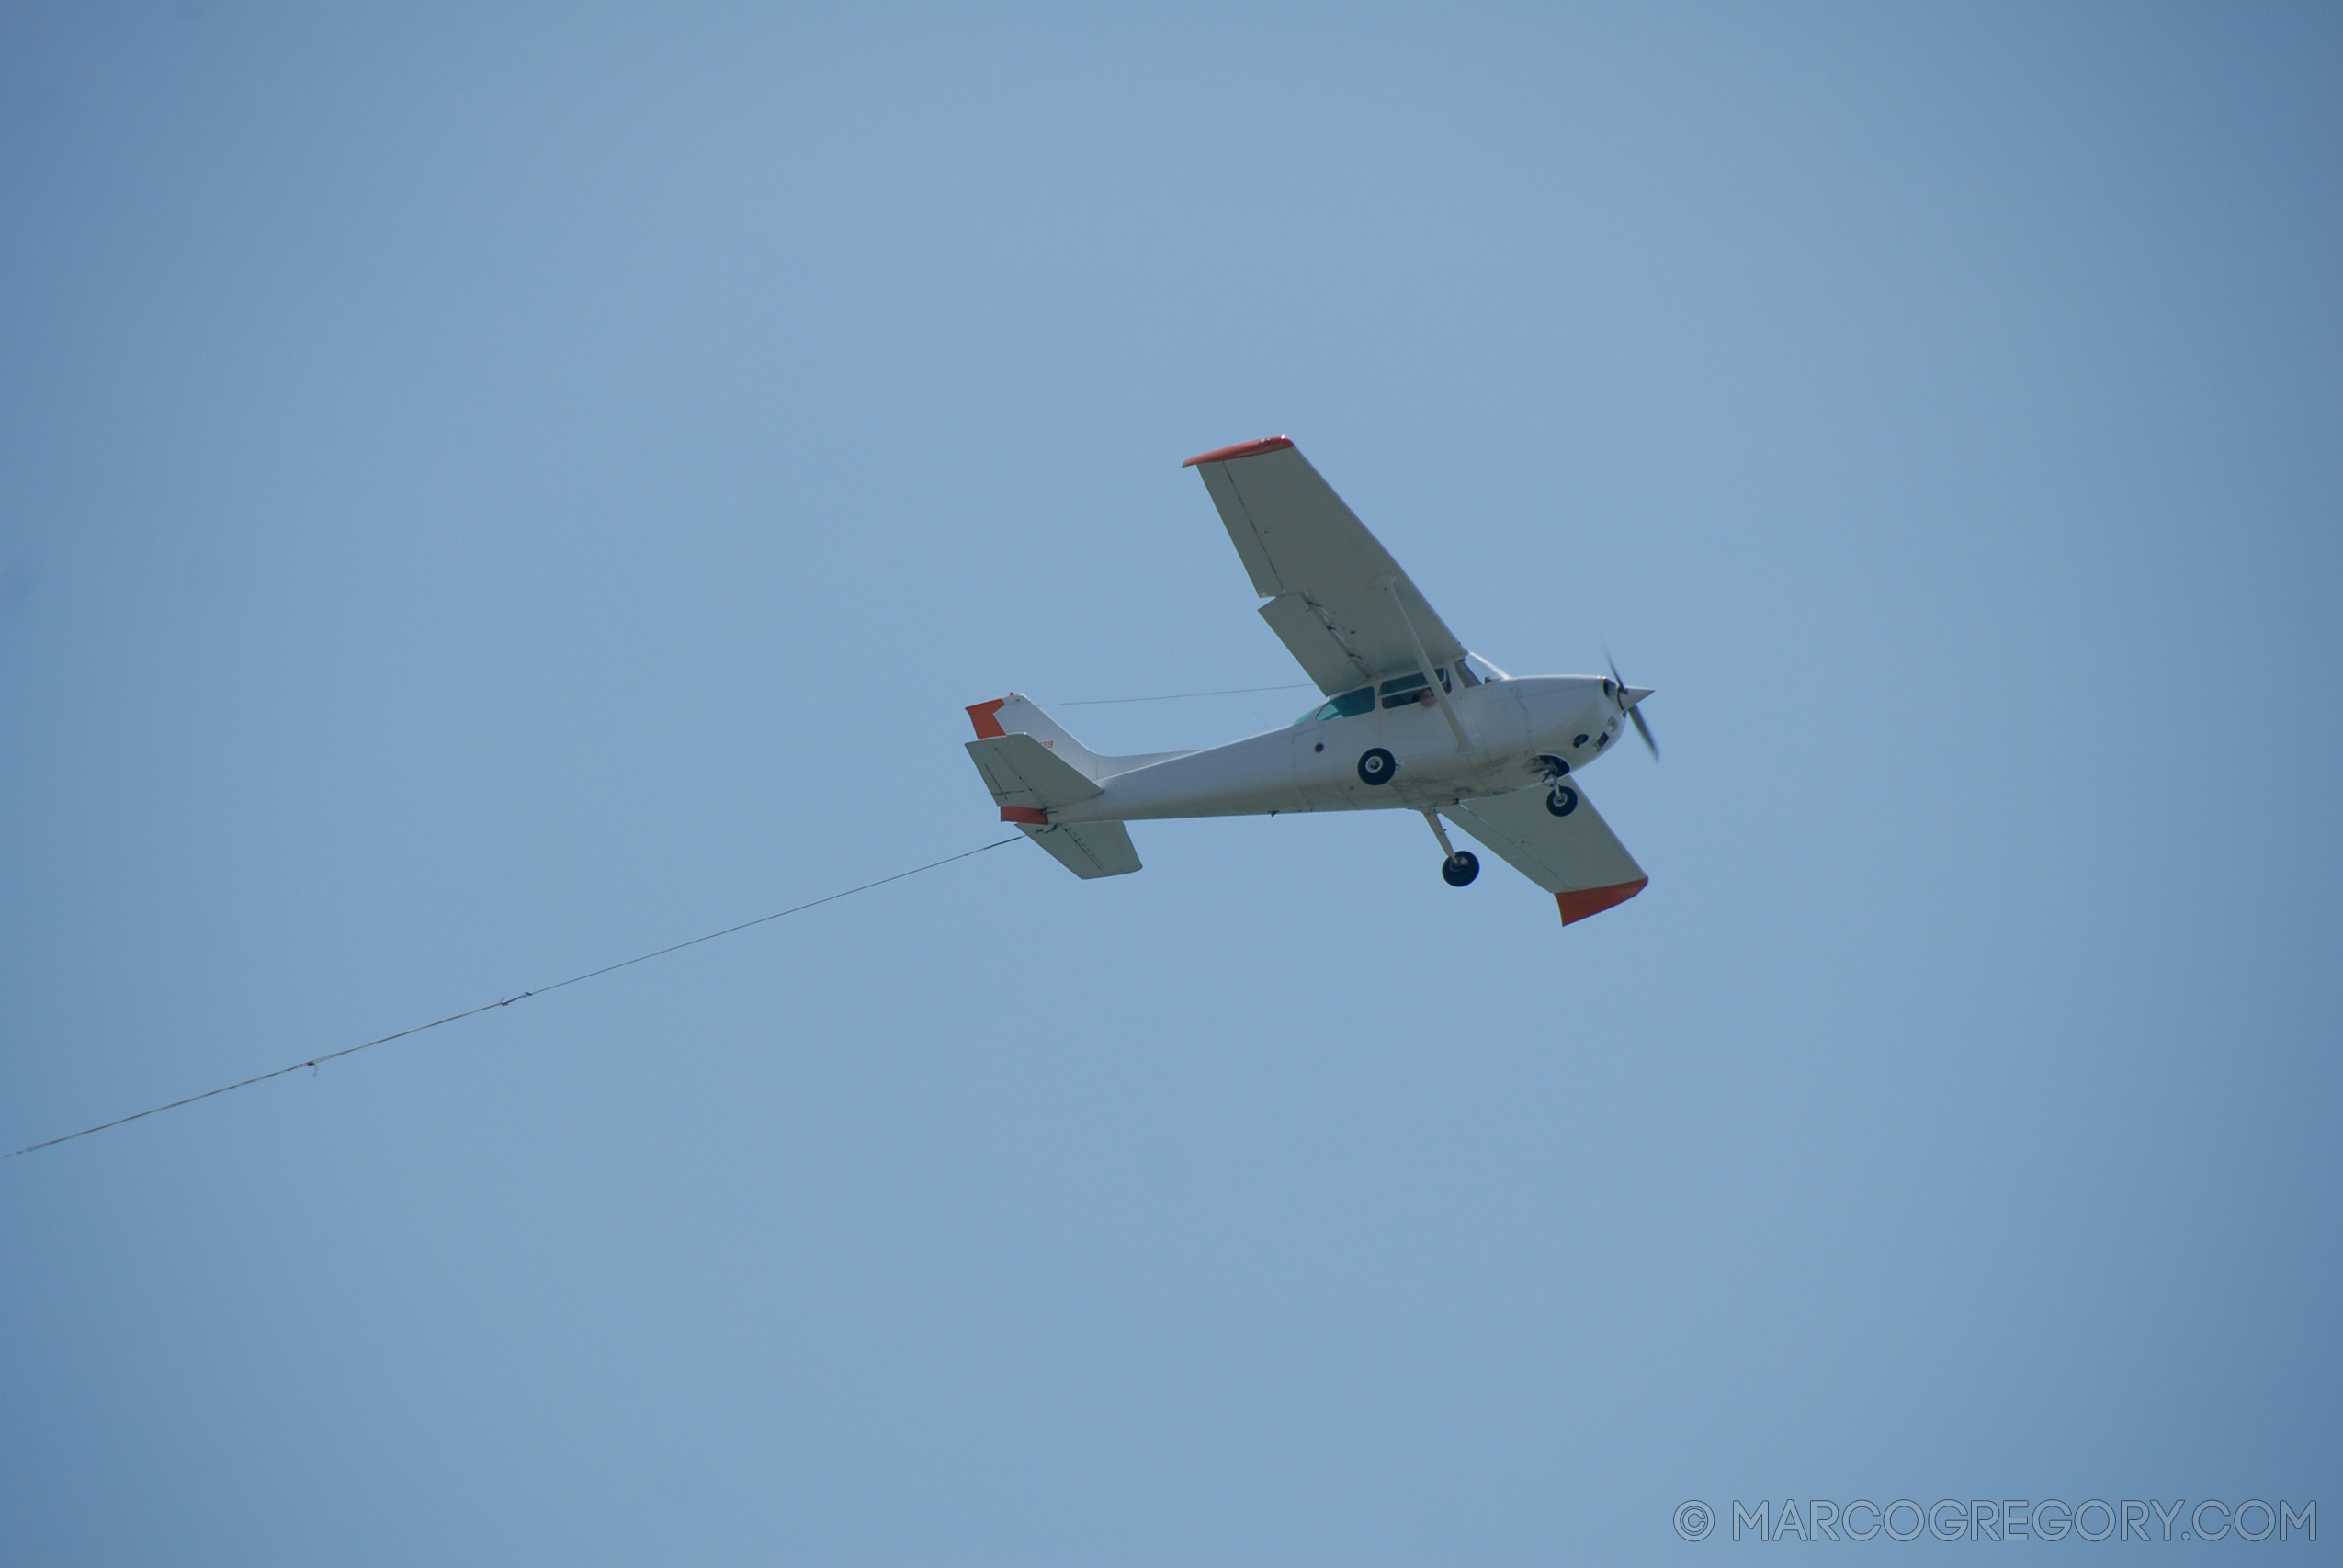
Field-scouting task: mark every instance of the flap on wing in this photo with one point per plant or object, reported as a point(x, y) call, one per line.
point(1308, 552)
point(1021, 772)
point(1571, 853)
point(1089, 849)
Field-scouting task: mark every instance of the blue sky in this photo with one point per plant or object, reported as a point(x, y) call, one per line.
point(487, 491)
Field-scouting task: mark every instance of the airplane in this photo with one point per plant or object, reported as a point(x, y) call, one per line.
point(1412, 720)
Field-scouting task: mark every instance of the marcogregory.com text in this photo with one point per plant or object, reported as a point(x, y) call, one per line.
point(2008, 1518)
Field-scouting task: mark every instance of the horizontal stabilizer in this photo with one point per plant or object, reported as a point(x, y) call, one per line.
point(1024, 774)
point(1088, 849)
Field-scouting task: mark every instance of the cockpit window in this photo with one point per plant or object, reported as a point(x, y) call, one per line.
point(1350, 704)
point(1410, 688)
point(1400, 693)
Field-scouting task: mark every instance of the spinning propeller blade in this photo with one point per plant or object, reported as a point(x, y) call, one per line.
point(1629, 700)
point(1645, 731)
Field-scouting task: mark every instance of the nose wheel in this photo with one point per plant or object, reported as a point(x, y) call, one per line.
point(1462, 866)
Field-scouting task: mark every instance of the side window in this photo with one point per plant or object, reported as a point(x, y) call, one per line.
point(1400, 693)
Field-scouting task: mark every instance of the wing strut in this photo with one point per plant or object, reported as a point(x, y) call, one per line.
point(1423, 663)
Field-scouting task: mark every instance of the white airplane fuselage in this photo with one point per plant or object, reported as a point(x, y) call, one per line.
point(1519, 729)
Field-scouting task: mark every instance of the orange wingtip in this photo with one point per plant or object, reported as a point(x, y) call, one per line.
point(1594, 900)
point(1241, 450)
point(985, 717)
point(1024, 814)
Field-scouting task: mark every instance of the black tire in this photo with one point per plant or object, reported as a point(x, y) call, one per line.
point(1460, 868)
point(1563, 800)
point(1377, 766)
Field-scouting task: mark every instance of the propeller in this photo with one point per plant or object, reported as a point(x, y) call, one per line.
point(1628, 697)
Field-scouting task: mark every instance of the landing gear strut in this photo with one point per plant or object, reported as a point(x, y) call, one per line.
point(1462, 866)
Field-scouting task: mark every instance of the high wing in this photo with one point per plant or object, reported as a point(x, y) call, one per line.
point(1322, 572)
point(1573, 855)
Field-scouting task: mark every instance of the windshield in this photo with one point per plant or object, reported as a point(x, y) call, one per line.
point(1348, 706)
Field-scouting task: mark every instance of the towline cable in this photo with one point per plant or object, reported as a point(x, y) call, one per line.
point(490, 1007)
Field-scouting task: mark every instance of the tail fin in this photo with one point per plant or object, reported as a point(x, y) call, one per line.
point(1015, 715)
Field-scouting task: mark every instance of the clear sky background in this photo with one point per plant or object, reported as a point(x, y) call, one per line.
point(487, 491)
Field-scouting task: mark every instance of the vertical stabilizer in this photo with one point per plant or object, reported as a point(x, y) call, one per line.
point(1016, 715)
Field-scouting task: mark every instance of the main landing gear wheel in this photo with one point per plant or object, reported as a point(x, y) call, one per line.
point(1377, 766)
point(1563, 800)
point(1460, 868)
